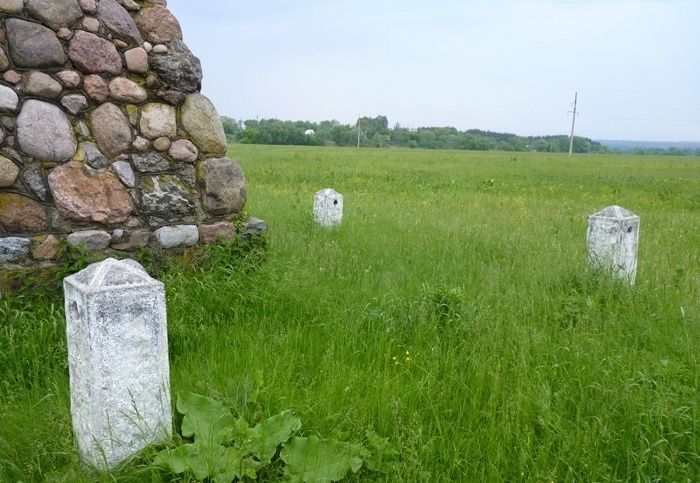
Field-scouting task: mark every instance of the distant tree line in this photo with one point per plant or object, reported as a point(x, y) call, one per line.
point(375, 132)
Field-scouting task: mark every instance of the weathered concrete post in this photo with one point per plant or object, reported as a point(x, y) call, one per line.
point(328, 208)
point(613, 237)
point(118, 361)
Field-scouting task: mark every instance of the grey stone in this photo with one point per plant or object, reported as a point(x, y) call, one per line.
point(178, 67)
point(9, 100)
point(13, 249)
point(158, 120)
point(166, 196)
point(118, 361)
point(130, 5)
point(111, 129)
point(224, 190)
point(177, 236)
point(74, 103)
point(82, 129)
point(33, 177)
point(44, 132)
point(93, 240)
point(8, 172)
point(132, 112)
point(132, 241)
point(328, 208)
point(55, 13)
point(93, 156)
point(141, 144)
point(201, 121)
point(125, 172)
point(254, 226)
point(188, 174)
point(150, 162)
point(118, 21)
point(613, 238)
point(33, 45)
point(8, 122)
point(171, 96)
point(11, 6)
point(42, 85)
point(4, 60)
point(13, 154)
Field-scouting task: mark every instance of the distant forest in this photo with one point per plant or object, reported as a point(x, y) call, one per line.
point(375, 132)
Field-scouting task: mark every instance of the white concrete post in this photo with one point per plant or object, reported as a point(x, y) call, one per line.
point(613, 238)
point(328, 208)
point(118, 361)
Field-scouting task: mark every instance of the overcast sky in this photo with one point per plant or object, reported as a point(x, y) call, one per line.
point(501, 65)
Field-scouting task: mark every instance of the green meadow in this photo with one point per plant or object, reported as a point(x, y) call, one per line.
point(452, 312)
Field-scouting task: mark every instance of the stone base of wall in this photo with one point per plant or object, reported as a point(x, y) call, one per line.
point(47, 250)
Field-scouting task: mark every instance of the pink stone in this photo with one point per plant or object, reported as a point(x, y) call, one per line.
point(183, 150)
point(85, 197)
point(69, 78)
point(19, 214)
point(96, 88)
point(158, 25)
point(64, 33)
point(91, 24)
point(111, 129)
point(92, 54)
point(47, 250)
point(124, 90)
point(161, 144)
point(221, 231)
point(136, 60)
point(13, 77)
point(88, 6)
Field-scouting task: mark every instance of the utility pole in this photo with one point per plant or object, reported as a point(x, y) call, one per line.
point(573, 124)
point(358, 131)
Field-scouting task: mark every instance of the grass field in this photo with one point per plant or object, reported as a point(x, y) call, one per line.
point(452, 313)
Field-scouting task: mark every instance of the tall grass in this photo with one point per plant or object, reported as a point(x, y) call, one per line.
point(451, 312)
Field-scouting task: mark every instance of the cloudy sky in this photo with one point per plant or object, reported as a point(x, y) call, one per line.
point(501, 65)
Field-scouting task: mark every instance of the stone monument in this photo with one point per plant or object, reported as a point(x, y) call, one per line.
point(328, 208)
point(613, 238)
point(118, 361)
point(105, 138)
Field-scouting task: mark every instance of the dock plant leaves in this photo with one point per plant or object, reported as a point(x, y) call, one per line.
point(314, 460)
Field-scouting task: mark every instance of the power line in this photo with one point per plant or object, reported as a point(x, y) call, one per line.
point(611, 118)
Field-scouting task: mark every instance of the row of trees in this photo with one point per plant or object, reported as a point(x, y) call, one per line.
point(375, 132)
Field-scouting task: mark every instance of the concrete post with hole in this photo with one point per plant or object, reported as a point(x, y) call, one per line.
point(118, 361)
point(613, 238)
point(328, 208)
